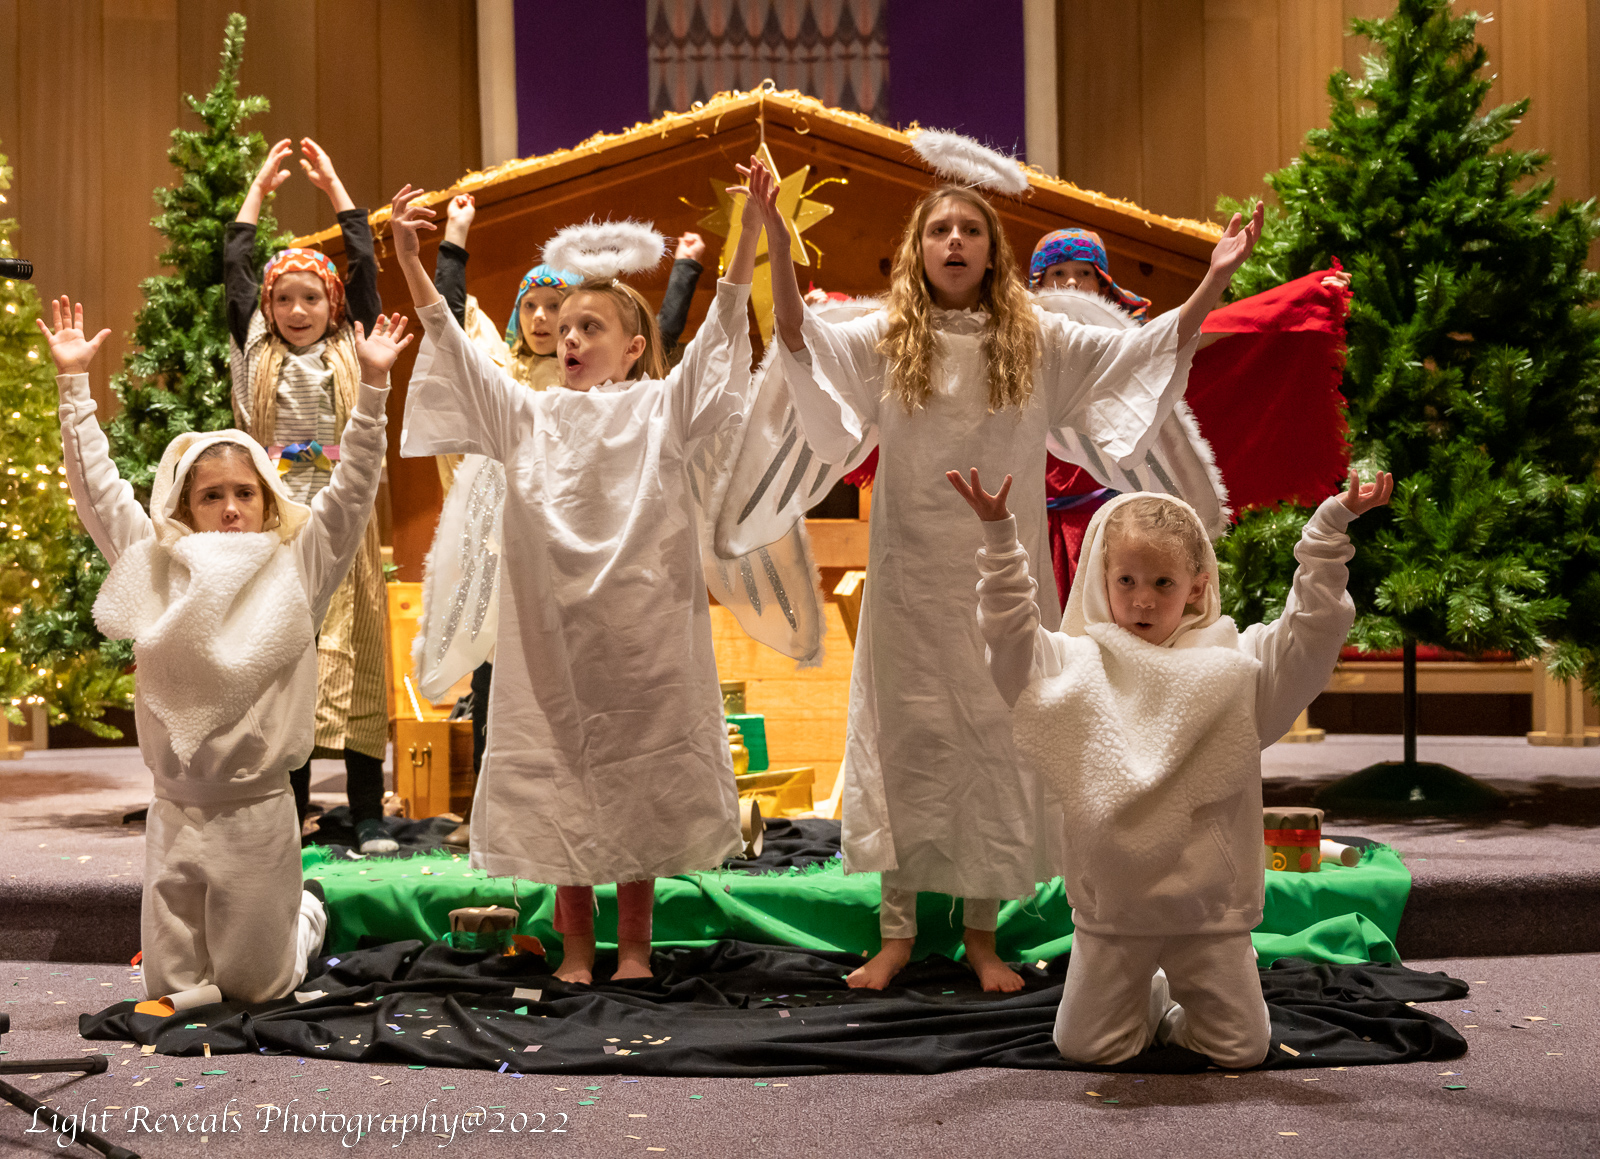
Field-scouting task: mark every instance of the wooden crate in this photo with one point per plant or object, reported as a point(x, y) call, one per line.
point(433, 767)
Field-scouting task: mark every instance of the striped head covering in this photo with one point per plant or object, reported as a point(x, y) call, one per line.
point(1082, 245)
point(541, 275)
point(304, 261)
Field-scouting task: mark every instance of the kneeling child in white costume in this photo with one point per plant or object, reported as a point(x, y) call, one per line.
point(1147, 714)
point(224, 629)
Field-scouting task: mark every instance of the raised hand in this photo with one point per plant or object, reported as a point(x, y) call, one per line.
point(1237, 243)
point(71, 350)
point(458, 218)
point(377, 351)
point(691, 247)
point(406, 219)
point(989, 508)
point(761, 203)
point(319, 168)
point(1359, 497)
point(269, 176)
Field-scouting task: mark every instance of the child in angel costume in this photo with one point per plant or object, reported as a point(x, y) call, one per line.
point(295, 385)
point(961, 365)
point(221, 587)
point(607, 756)
point(1146, 715)
point(468, 536)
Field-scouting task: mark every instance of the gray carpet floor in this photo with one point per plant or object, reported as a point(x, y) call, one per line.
point(1528, 1090)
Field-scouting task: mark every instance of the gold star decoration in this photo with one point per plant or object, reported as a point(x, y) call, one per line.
point(799, 212)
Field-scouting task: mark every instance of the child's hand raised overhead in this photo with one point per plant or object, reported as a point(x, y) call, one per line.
point(691, 247)
point(1359, 498)
point(407, 218)
point(458, 218)
point(269, 176)
point(319, 168)
point(71, 350)
point(1237, 243)
point(761, 203)
point(989, 508)
point(377, 351)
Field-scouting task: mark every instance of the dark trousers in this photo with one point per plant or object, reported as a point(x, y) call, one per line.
point(481, 677)
point(363, 779)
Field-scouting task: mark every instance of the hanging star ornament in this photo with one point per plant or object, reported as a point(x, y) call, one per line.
point(799, 213)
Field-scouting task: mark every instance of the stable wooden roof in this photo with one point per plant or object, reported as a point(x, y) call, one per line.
point(660, 171)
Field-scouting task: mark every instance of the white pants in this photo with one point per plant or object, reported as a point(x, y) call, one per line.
point(897, 915)
point(223, 903)
point(1105, 1014)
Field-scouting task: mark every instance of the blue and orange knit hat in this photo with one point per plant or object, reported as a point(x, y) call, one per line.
point(1082, 245)
point(543, 276)
point(304, 261)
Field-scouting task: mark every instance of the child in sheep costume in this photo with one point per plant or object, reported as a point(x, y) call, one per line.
point(223, 611)
point(1146, 715)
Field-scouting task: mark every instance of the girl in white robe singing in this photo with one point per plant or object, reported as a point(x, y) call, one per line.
point(962, 366)
point(607, 756)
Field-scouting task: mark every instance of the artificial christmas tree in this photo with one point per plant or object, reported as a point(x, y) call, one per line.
point(1473, 374)
point(176, 379)
point(49, 570)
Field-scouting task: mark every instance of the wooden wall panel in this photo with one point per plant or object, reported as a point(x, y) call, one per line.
point(1090, 156)
point(1544, 56)
point(1173, 128)
point(348, 97)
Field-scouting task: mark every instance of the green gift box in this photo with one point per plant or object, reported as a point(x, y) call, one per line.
point(753, 727)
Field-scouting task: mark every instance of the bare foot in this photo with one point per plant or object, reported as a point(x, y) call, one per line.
point(633, 960)
point(577, 959)
point(992, 972)
point(883, 966)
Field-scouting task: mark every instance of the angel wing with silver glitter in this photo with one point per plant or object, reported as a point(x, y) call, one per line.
point(461, 579)
point(752, 487)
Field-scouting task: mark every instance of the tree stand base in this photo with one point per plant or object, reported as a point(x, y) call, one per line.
point(1409, 789)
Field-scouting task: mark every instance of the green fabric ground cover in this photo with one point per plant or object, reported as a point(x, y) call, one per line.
point(1340, 915)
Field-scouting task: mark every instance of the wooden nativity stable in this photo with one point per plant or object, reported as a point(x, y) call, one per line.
point(663, 172)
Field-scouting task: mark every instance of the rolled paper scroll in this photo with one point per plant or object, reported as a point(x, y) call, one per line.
point(1292, 839)
point(1346, 855)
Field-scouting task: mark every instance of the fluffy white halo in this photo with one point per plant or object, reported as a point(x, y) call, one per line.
point(606, 249)
point(966, 162)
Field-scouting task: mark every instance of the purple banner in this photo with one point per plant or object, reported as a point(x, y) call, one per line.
point(582, 68)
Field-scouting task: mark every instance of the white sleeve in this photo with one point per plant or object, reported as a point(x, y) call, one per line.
point(341, 510)
point(104, 500)
point(712, 382)
point(835, 380)
point(1008, 613)
point(459, 402)
point(1114, 386)
point(1299, 649)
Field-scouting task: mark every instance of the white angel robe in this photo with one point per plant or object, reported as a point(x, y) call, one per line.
point(934, 795)
point(607, 756)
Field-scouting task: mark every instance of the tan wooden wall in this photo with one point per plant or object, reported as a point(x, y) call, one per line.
point(1171, 103)
point(91, 89)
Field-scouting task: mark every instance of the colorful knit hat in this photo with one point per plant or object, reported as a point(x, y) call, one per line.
point(547, 277)
point(1082, 245)
point(303, 261)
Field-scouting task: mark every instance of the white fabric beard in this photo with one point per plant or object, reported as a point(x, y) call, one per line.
point(214, 619)
point(1133, 738)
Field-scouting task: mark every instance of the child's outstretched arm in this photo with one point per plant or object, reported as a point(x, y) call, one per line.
point(712, 381)
point(362, 301)
point(450, 265)
point(685, 276)
point(1299, 649)
point(104, 500)
point(1008, 611)
point(341, 510)
point(240, 288)
point(1238, 240)
point(458, 401)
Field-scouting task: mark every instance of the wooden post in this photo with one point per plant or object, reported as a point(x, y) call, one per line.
point(1558, 712)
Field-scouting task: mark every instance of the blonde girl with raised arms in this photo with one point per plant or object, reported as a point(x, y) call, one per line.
point(961, 365)
point(607, 756)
